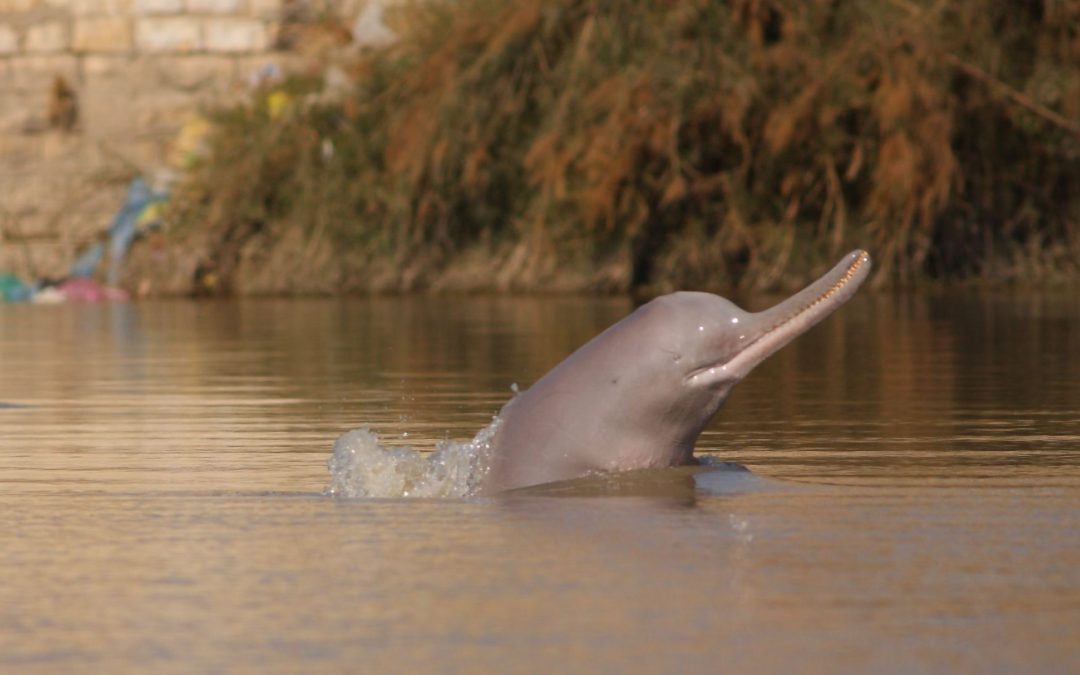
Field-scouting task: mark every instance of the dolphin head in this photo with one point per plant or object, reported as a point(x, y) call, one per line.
point(731, 341)
point(712, 343)
point(638, 395)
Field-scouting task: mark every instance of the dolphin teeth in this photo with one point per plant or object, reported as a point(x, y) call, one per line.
point(861, 258)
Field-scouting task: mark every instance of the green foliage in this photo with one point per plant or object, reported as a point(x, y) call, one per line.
point(688, 144)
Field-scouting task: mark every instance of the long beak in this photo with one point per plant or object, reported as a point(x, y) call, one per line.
point(791, 318)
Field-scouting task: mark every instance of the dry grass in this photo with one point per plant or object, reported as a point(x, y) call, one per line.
point(630, 144)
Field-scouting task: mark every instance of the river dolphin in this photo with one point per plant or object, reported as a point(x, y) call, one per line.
point(638, 395)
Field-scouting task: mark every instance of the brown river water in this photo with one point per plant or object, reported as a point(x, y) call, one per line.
point(914, 504)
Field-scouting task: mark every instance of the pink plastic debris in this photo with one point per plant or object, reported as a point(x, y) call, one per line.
point(81, 289)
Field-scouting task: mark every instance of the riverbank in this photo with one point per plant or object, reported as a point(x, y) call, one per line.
point(540, 146)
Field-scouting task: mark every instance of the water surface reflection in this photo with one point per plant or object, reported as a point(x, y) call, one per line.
point(160, 476)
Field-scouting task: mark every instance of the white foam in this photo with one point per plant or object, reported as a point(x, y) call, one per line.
point(360, 467)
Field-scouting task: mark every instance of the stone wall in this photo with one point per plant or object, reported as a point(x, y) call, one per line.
point(94, 92)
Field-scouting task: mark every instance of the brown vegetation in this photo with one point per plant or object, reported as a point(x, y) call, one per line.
point(609, 146)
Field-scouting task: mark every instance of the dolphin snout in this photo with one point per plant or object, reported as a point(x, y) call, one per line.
point(772, 329)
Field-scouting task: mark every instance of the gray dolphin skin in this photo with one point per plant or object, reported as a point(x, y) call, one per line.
point(638, 395)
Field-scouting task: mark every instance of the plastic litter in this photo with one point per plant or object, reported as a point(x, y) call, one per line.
point(140, 213)
point(130, 222)
point(12, 289)
point(88, 262)
point(87, 290)
point(50, 295)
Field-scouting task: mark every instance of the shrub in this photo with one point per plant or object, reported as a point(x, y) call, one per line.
point(631, 144)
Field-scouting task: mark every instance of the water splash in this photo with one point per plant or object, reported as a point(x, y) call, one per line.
point(360, 467)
